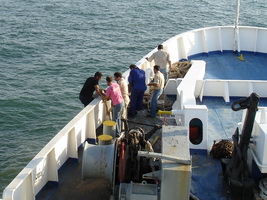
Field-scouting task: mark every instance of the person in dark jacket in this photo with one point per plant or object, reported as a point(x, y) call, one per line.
point(137, 85)
point(90, 85)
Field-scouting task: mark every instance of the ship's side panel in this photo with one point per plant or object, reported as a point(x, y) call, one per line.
point(193, 42)
point(247, 37)
point(213, 39)
point(227, 34)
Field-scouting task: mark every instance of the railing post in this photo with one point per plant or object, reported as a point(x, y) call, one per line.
point(90, 130)
point(72, 144)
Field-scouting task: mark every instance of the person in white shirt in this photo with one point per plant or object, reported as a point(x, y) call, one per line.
point(158, 84)
point(162, 59)
point(124, 91)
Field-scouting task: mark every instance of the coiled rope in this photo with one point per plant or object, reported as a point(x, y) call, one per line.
point(222, 149)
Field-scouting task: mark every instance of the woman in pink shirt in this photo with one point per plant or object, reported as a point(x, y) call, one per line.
point(114, 94)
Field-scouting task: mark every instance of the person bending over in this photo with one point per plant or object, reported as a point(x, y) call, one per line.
point(113, 93)
point(90, 85)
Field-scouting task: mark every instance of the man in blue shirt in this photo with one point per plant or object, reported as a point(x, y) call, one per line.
point(137, 83)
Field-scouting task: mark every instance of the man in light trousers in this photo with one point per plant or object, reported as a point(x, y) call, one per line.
point(158, 83)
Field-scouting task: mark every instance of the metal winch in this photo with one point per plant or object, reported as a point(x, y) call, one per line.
point(99, 161)
point(135, 171)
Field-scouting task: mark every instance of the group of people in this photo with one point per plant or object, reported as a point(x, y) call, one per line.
point(118, 92)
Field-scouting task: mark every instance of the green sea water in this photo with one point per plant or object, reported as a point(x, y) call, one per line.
point(48, 48)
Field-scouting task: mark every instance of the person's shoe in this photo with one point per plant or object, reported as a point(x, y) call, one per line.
point(150, 116)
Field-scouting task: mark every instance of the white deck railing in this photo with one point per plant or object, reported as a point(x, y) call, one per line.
point(44, 166)
point(208, 40)
point(205, 40)
point(230, 88)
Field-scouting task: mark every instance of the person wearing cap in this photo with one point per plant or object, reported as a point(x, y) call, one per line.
point(124, 91)
point(162, 59)
point(90, 85)
point(113, 93)
point(137, 85)
point(158, 83)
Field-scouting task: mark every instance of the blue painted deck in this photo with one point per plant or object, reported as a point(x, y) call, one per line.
point(228, 66)
point(207, 182)
point(207, 178)
point(222, 120)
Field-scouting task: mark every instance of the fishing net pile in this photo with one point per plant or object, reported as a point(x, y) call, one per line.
point(164, 103)
point(222, 149)
point(179, 69)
